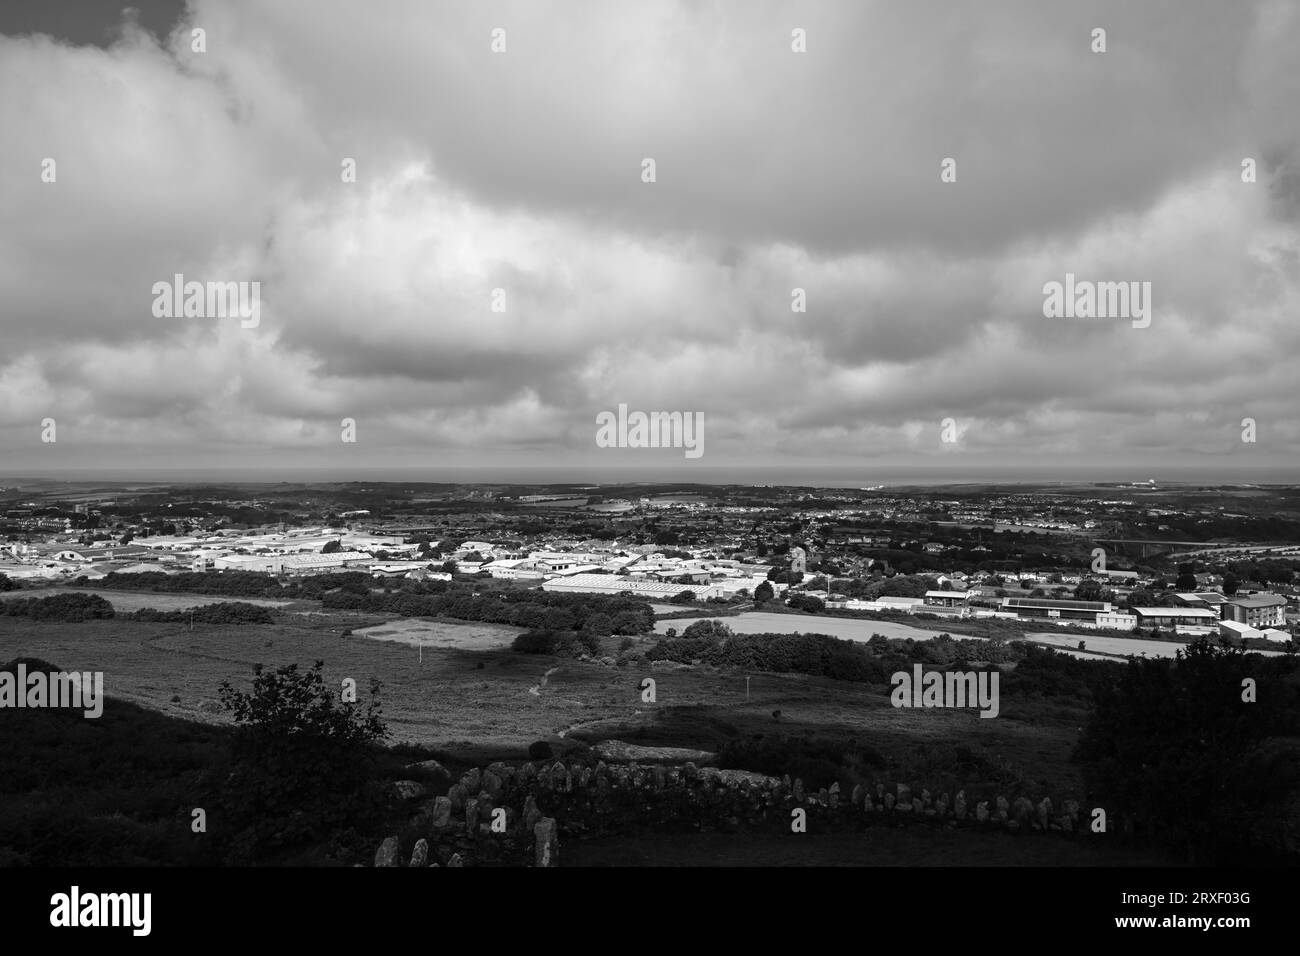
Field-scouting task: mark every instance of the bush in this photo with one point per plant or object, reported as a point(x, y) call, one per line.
point(806, 602)
point(540, 750)
point(65, 608)
point(226, 612)
point(536, 642)
point(711, 628)
point(303, 760)
point(1173, 747)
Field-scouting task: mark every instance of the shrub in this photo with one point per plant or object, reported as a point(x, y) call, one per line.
point(711, 628)
point(1171, 744)
point(535, 642)
point(540, 750)
point(65, 608)
point(303, 760)
point(806, 602)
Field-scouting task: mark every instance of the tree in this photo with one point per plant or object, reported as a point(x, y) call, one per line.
point(1087, 590)
point(710, 627)
point(332, 547)
point(1140, 597)
point(304, 759)
point(1171, 747)
point(806, 602)
point(1186, 581)
point(1230, 584)
point(764, 593)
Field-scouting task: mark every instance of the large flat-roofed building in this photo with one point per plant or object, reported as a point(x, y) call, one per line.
point(947, 598)
point(1256, 610)
point(1057, 609)
point(1187, 620)
point(617, 584)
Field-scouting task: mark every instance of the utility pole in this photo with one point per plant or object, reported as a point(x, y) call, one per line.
point(747, 689)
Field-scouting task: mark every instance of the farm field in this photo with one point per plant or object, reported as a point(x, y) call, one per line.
point(763, 622)
point(128, 601)
point(479, 705)
point(422, 632)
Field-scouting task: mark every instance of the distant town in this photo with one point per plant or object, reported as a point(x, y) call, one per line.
point(1141, 558)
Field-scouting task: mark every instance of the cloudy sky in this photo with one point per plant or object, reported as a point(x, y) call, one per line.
point(522, 170)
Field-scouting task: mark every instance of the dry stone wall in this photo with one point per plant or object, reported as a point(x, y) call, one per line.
point(521, 814)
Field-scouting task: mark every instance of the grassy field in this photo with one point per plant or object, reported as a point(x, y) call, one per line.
point(127, 601)
point(476, 703)
point(473, 700)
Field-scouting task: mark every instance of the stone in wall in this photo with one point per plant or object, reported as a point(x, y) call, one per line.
point(982, 811)
point(547, 842)
point(904, 795)
point(834, 795)
point(855, 797)
point(406, 790)
point(1043, 813)
point(798, 790)
point(455, 860)
point(1022, 810)
point(959, 805)
point(457, 795)
point(889, 801)
point(441, 812)
point(386, 855)
point(471, 815)
point(420, 855)
point(941, 805)
point(531, 814)
point(1003, 807)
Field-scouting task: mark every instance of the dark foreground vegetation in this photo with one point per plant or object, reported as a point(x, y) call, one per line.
point(1186, 755)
